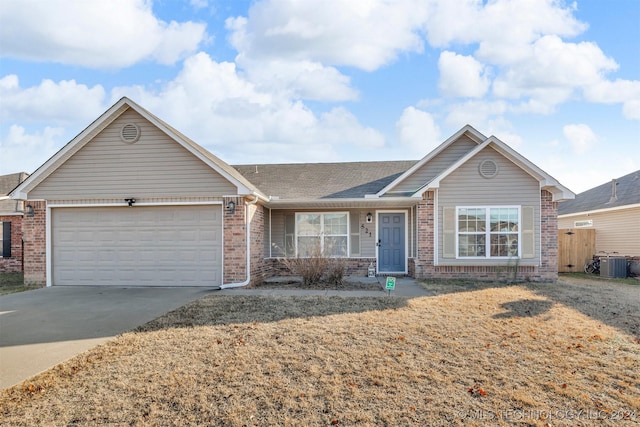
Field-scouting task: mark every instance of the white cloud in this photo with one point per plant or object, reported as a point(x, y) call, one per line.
point(475, 112)
point(199, 4)
point(501, 28)
point(366, 34)
point(462, 76)
point(28, 150)
point(113, 34)
point(626, 92)
point(65, 101)
point(299, 79)
point(417, 131)
point(580, 136)
point(218, 107)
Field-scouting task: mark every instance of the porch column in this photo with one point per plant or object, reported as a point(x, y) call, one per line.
point(425, 243)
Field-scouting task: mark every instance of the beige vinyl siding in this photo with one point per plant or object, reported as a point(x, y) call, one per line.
point(277, 233)
point(510, 187)
point(367, 235)
point(153, 166)
point(616, 231)
point(435, 166)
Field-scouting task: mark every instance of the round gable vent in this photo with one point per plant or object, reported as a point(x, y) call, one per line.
point(130, 133)
point(488, 168)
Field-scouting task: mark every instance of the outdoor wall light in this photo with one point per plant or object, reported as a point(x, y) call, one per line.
point(369, 217)
point(29, 210)
point(130, 201)
point(231, 207)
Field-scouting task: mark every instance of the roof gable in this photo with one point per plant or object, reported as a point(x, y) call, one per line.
point(617, 193)
point(8, 183)
point(71, 148)
point(547, 182)
point(436, 161)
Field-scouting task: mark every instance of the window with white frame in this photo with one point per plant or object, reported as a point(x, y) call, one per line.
point(488, 232)
point(322, 233)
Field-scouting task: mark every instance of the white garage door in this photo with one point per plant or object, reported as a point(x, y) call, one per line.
point(137, 246)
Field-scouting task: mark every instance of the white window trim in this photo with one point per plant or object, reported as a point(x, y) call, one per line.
point(487, 233)
point(322, 234)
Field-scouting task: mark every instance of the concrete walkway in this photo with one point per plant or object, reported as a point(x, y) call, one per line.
point(405, 287)
point(44, 327)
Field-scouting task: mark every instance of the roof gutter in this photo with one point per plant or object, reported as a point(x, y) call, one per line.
point(248, 225)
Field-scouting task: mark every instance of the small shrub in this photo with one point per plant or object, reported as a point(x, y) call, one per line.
point(336, 271)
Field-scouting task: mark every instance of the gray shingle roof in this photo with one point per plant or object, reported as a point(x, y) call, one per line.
point(8, 183)
point(627, 193)
point(306, 181)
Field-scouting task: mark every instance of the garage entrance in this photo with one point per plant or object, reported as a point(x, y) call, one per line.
point(137, 246)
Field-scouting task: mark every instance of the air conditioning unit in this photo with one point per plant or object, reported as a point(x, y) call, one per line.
point(613, 267)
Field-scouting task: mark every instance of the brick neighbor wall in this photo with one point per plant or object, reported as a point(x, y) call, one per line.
point(14, 262)
point(35, 245)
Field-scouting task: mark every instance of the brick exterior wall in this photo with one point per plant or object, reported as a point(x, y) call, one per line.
point(235, 242)
point(546, 272)
point(549, 237)
point(257, 221)
point(14, 262)
point(35, 245)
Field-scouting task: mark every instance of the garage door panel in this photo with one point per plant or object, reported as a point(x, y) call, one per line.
point(137, 246)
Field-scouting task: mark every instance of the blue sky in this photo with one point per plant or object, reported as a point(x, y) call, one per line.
point(321, 81)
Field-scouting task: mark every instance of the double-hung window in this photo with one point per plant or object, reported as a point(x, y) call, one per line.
point(324, 234)
point(488, 232)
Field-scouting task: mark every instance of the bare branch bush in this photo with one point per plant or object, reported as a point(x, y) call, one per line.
point(310, 268)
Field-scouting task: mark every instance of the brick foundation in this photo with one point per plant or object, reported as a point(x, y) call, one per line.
point(35, 245)
point(355, 267)
point(14, 262)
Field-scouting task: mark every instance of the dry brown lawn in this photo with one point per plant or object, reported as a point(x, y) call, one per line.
point(471, 355)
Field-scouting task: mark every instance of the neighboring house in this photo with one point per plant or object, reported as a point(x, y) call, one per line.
point(11, 212)
point(613, 210)
point(132, 201)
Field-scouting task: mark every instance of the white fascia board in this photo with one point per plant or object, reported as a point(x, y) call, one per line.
point(546, 181)
point(435, 183)
point(603, 210)
point(190, 146)
point(352, 202)
point(473, 133)
point(21, 192)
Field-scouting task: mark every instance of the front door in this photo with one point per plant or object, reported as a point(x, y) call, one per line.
point(391, 243)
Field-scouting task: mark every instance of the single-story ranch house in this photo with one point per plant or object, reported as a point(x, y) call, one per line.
point(131, 201)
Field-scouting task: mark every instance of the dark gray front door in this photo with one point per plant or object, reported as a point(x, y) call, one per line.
point(391, 243)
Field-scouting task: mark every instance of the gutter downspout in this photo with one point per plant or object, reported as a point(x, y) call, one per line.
point(248, 225)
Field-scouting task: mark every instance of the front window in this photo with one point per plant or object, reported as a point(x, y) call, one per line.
point(322, 234)
point(5, 239)
point(488, 232)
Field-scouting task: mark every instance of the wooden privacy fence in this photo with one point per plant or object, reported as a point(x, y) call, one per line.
point(575, 248)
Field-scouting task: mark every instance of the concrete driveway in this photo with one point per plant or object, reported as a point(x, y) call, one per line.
point(43, 327)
